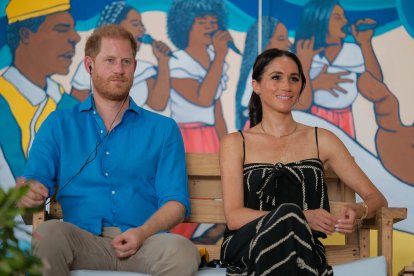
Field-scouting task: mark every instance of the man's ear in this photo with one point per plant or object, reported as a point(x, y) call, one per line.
point(24, 35)
point(88, 62)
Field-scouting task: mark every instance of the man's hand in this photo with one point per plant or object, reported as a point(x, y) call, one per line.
point(36, 195)
point(321, 220)
point(128, 243)
point(347, 220)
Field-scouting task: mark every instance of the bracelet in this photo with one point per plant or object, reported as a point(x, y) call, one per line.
point(364, 215)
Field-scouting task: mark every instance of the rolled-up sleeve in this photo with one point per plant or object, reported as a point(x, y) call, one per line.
point(42, 164)
point(171, 178)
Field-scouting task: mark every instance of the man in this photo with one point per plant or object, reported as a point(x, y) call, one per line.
point(121, 185)
point(42, 38)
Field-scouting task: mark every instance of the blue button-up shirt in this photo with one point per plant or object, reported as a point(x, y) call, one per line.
point(117, 179)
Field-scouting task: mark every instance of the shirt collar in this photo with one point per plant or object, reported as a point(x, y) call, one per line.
point(87, 105)
point(33, 93)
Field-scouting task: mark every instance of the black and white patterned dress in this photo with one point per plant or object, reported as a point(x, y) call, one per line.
point(281, 242)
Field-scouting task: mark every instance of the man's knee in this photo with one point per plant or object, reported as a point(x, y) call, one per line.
point(178, 253)
point(49, 235)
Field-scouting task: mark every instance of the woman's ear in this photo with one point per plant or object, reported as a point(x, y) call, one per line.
point(256, 87)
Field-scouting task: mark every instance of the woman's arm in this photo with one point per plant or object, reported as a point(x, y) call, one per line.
point(220, 123)
point(364, 40)
point(336, 156)
point(159, 88)
point(231, 168)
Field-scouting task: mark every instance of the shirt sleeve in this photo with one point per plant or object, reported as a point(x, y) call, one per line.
point(171, 178)
point(42, 164)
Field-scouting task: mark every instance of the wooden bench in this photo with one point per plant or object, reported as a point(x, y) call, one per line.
point(207, 207)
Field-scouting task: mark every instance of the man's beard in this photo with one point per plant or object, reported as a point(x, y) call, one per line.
point(112, 91)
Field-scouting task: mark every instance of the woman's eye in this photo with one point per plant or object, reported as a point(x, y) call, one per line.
point(276, 78)
point(295, 79)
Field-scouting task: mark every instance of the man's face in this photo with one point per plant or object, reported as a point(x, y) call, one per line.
point(54, 43)
point(113, 69)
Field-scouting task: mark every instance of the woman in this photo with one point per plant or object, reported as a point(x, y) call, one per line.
point(151, 84)
point(275, 198)
point(274, 35)
point(334, 93)
point(198, 75)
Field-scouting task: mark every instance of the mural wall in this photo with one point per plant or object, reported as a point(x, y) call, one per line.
point(194, 65)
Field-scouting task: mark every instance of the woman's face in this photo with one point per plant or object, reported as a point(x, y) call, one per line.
point(337, 22)
point(203, 29)
point(280, 38)
point(280, 85)
point(133, 24)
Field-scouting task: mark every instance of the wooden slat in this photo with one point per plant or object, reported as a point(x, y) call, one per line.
point(364, 242)
point(207, 211)
point(339, 254)
point(38, 218)
point(202, 164)
point(55, 211)
point(204, 187)
point(212, 249)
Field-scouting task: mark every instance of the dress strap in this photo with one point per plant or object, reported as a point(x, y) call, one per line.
point(316, 137)
point(244, 146)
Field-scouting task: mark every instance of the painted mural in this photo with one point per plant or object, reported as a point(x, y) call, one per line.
point(194, 64)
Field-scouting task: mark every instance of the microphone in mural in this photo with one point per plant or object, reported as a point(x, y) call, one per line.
point(361, 27)
point(230, 44)
point(147, 39)
point(151, 85)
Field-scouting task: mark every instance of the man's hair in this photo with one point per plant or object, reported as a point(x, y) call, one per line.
point(13, 30)
point(93, 44)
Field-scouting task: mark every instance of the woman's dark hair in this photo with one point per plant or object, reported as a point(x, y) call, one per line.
point(314, 22)
point(182, 14)
point(251, 50)
point(262, 61)
point(114, 13)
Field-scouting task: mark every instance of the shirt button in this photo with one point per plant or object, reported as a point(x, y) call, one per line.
point(101, 131)
point(107, 152)
point(113, 192)
point(94, 112)
point(106, 174)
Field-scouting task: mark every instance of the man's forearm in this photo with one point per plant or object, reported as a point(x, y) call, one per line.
point(168, 216)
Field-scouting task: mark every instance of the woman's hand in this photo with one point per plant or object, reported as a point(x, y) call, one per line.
point(220, 42)
point(363, 37)
point(321, 220)
point(347, 221)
